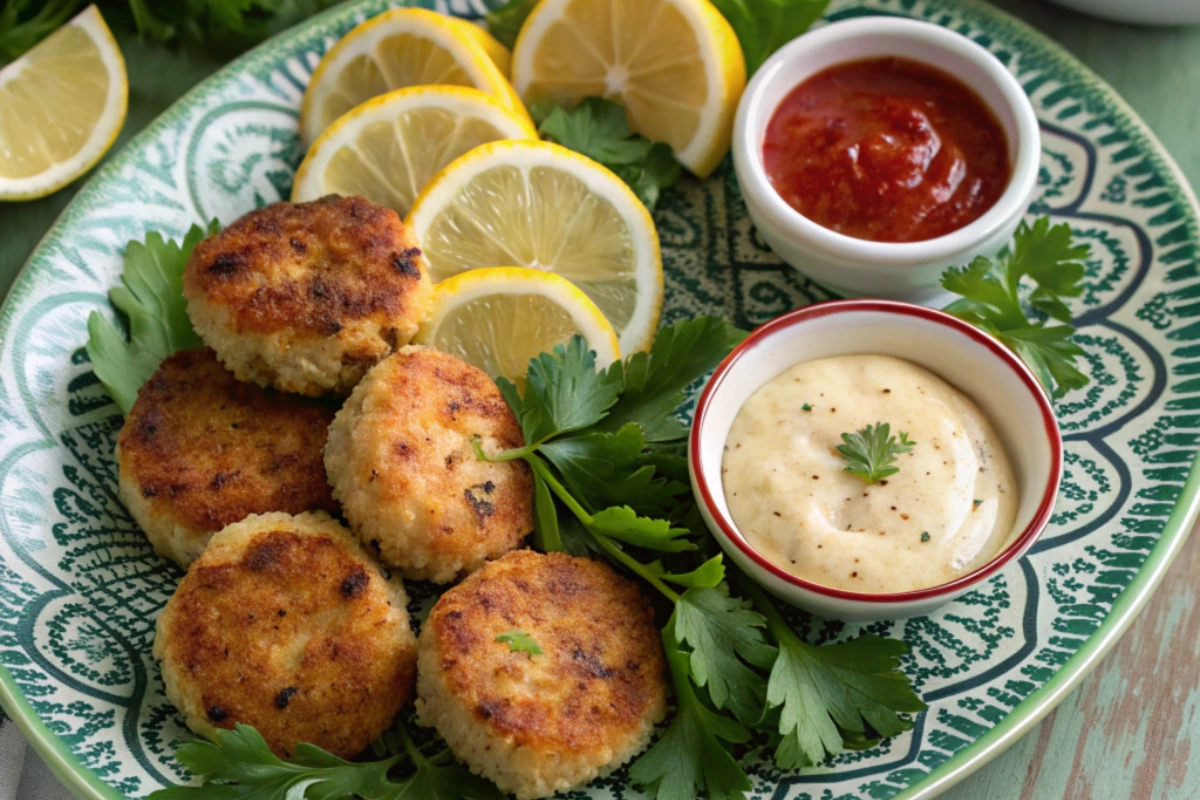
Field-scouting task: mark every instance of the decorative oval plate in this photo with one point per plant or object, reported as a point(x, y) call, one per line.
point(80, 588)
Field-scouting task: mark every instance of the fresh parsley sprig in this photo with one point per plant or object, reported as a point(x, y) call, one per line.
point(692, 755)
point(596, 127)
point(871, 451)
point(239, 765)
point(151, 298)
point(834, 697)
point(608, 459)
point(990, 300)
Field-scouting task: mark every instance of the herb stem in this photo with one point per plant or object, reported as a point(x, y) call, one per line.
point(505, 455)
point(410, 747)
point(543, 471)
point(617, 554)
point(776, 624)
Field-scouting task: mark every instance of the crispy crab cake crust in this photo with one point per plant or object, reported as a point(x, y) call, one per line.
point(201, 450)
point(286, 624)
point(307, 297)
point(539, 724)
point(401, 463)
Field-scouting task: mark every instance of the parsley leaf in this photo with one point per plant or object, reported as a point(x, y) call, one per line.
point(654, 383)
point(872, 451)
point(597, 128)
point(505, 22)
point(151, 297)
point(764, 26)
point(990, 300)
point(240, 765)
point(520, 642)
point(706, 576)
point(825, 694)
point(563, 392)
point(547, 535)
point(689, 756)
point(725, 635)
point(624, 525)
point(433, 782)
point(607, 469)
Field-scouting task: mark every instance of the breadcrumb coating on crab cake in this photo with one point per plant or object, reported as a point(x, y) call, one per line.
point(540, 724)
point(201, 450)
point(402, 465)
point(286, 624)
point(306, 297)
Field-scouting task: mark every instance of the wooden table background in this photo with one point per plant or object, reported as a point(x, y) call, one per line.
point(1132, 729)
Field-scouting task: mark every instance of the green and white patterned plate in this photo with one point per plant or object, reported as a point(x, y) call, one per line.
point(80, 588)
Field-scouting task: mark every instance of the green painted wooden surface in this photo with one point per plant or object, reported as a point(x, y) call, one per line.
point(1132, 729)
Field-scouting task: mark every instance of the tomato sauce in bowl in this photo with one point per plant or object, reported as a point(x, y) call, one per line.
point(886, 149)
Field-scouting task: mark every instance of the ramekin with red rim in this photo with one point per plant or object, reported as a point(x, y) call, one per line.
point(975, 364)
point(875, 259)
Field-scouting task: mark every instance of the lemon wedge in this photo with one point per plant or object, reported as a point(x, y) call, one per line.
point(388, 148)
point(499, 318)
point(402, 48)
point(61, 106)
point(675, 65)
point(536, 204)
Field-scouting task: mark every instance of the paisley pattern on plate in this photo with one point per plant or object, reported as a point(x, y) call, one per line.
point(80, 588)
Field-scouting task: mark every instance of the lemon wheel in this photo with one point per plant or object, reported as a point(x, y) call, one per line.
point(536, 204)
point(61, 106)
point(675, 65)
point(401, 48)
point(500, 318)
point(388, 148)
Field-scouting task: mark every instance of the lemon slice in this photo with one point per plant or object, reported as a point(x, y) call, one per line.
point(401, 48)
point(61, 106)
point(537, 204)
point(499, 318)
point(675, 65)
point(388, 148)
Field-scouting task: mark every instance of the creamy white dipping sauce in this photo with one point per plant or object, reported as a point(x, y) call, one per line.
point(946, 512)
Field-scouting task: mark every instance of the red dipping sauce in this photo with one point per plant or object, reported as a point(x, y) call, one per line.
point(887, 149)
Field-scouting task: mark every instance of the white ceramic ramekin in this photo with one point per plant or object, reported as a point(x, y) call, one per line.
point(903, 271)
point(970, 360)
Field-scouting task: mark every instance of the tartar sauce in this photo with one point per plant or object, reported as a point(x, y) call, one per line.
point(947, 511)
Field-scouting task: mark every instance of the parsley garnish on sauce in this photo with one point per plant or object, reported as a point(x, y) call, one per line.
point(871, 452)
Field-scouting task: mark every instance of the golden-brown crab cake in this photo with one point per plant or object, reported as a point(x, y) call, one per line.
point(201, 450)
point(307, 297)
point(401, 463)
point(540, 724)
point(286, 624)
